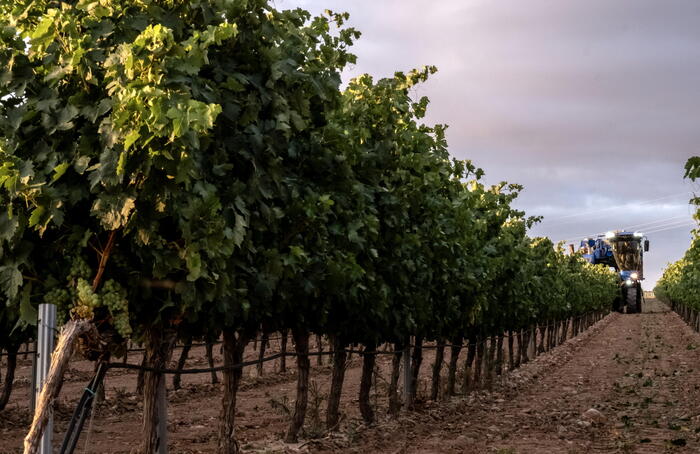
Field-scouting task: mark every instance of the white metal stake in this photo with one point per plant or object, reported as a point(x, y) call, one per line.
point(46, 327)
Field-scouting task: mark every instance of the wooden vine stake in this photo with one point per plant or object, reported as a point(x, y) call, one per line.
point(59, 362)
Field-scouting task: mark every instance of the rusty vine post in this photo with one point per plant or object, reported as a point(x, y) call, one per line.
point(9, 375)
point(284, 335)
point(264, 341)
point(338, 376)
point(437, 367)
point(394, 396)
point(368, 361)
point(407, 394)
point(181, 362)
point(301, 341)
point(511, 359)
point(32, 393)
point(162, 416)
point(479, 360)
point(159, 345)
point(210, 360)
point(455, 349)
point(468, 380)
point(234, 345)
point(416, 361)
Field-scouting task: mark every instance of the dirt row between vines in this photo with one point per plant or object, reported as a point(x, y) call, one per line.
point(640, 373)
point(263, 406)
point(637, 370)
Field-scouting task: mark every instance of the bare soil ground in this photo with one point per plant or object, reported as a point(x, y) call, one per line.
point(640, 372)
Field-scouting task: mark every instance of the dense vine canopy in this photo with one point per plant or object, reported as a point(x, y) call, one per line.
point(195, 167)
point(239, 185)
point(680, 282)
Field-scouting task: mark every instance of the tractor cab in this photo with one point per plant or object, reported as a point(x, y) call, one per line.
point(597, 251)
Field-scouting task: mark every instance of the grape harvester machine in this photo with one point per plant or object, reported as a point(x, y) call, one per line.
point(624, 252)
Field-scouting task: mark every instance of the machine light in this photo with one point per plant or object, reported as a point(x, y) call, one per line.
point(638, 234)
point(610, 235)
point(634, 276)
point(628, 282)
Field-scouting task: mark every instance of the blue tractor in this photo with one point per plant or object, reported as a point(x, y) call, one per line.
point(623, 251)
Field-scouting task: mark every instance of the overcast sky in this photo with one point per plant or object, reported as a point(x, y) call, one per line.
point(592, 105)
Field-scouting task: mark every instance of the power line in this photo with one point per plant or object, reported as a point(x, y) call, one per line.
point(656, 229)
point(615, 207)
point(659, 223)
point(650, 224)
point(675, 227)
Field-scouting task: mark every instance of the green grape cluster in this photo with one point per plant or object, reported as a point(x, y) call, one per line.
point(114, 298)
point(121, 324)
point(61, 298)
point(61, 315)
point(57, 296)
point(79, 269)
point(86, 302)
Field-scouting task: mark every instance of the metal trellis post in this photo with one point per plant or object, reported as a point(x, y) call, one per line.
point(46, 327)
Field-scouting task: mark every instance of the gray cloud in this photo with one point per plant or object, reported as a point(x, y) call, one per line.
point(588, 103)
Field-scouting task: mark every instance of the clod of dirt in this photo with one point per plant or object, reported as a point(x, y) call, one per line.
point(594, 416)
point(464, 440)
point(584, 424)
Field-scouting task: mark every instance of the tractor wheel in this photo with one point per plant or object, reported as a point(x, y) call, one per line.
point(631, 300)
point(618, 305)
point(639, 298)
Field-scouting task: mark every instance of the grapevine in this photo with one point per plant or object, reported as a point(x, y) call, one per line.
point(248, 188)
point(79, 269)
point(680, 282)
